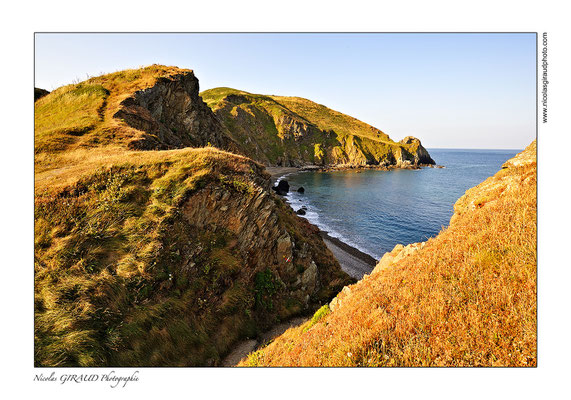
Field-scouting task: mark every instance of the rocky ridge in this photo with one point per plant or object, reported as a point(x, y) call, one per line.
point(173, 115)
point(291, 131)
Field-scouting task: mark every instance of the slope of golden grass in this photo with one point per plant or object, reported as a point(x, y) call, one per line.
point(100, 260)
point(466, 298)
point(126, 276)
point(327, 119)
point(80, 116)
point(75, 131)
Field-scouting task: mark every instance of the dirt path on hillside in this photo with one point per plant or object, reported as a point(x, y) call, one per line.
point(247, 346)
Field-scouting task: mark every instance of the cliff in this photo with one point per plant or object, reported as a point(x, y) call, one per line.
point(464, 298)
point(152, 108)
point(292, 131)
point(161, 257)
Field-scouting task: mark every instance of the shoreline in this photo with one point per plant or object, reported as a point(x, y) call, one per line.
point(352, 260)
point(278, 172)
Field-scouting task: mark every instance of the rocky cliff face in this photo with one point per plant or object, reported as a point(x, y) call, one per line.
point(415, 154)
point(172, 115)
point(271, 240)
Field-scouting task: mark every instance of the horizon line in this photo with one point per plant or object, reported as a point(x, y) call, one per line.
point(471, 148)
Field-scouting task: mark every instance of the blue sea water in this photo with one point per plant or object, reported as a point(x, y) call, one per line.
point(375, 210)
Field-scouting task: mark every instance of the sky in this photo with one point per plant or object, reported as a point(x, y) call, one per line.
point(449, 90)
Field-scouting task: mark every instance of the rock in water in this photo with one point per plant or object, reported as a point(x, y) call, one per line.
point(301, 190)
point(282, 188)
point(301, 211)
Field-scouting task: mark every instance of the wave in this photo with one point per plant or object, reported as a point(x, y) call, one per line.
point(313, 215)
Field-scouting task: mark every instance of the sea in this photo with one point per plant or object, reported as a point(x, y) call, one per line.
point(375, 210)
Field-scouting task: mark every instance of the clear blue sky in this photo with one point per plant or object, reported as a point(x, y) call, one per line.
point(449, 90)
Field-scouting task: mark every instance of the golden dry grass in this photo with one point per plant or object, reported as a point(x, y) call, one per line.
point(327, 119)
point(102, 236)
point(77, 120)
point(467, 298)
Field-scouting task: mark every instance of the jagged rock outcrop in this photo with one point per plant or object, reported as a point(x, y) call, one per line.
point(504, 183)
point(257, 221)
point(173, 115)
point(396, 254)
point(338, 300)
point(417, 151)
point(282, 188)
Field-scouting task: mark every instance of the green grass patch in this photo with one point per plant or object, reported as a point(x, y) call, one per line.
point(66, 113)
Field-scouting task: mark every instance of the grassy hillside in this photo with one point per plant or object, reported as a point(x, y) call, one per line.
point(82, 115)
point(158, 257)
point(294, 131)
point(464, 298)
point(126, 275)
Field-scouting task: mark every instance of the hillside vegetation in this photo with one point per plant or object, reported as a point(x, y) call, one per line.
point(292, 131)
point(82, 115)
point(152, 253)
point(464, 298)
